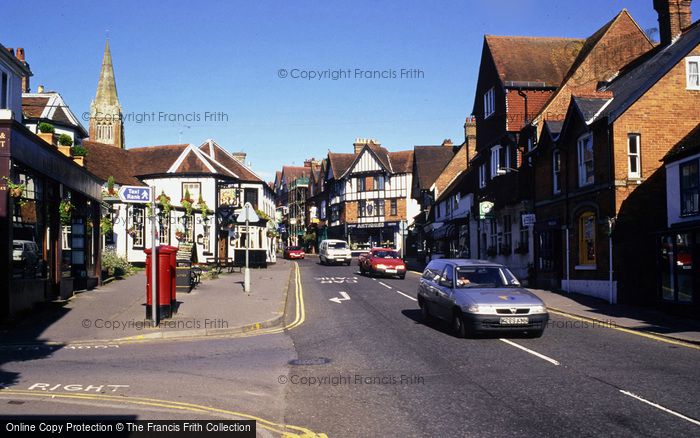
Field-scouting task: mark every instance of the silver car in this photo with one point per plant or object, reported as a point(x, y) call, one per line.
point(478, 296)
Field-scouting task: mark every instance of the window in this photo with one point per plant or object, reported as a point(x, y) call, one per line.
point(249, 195)
point(586, 239)
point(482, 176)
point(362, 208)
point(692, 72)
point(524, 243)
point(489, 102)
point(493, 228)
point(448, 274)
point(378, 183)
point(4, 91)
point(634, 170)
point(361, 184)
point(585, 160)
point(322, 213)
point(164, 222)
point(690, 188)
point(138, 227)
point(556, 172)
point(495, 160)
point(393, 207)
point(188, 225)
point(193, 188)
point(546, 251)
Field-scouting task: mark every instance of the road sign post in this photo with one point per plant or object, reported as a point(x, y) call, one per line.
point(247, 215)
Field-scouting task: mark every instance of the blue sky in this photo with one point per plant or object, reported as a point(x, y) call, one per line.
point(187, 57)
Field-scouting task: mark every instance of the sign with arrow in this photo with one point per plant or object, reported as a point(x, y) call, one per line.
point(338, 300)
point(135, 194)
point(247, 214)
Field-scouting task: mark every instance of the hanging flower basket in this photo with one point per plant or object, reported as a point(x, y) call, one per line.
point(106, 225)
point(65, 210)
point(164, 200)
point(131, 232)
point(180, 235)
point(203, 208)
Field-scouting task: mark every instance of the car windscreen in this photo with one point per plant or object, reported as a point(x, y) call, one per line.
point(17, 246)
point(293, 248)
point(386, 254)
point(338, 245)
point(485, 277)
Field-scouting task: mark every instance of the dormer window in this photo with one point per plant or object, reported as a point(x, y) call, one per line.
point(489, 102)
point(692, 72)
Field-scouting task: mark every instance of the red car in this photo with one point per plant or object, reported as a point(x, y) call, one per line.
point(294, 252)
point(382, 261)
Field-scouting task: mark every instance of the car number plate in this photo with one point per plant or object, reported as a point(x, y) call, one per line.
point(514, 320)
point(391, 271)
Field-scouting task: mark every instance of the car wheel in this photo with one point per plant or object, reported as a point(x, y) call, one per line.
point(458, 327)
point(348, 262)
point(321, 259)
point(424, 312)
point(362, 270)
point(402, 276)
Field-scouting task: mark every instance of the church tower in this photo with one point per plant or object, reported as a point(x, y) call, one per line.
point(106, 124)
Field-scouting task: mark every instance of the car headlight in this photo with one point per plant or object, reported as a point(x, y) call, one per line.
point(401, 267)
point(538, 309)
point(473, 308)
point(380, 266)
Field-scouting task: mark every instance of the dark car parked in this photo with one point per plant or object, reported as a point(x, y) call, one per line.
point(478, 296)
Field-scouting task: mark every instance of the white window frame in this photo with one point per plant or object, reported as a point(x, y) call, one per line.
point(489, 102)
point(582, 174)
point(692, 83)
point(482, 176)
point(556, 171)
point(495, 160)
point(634, 156)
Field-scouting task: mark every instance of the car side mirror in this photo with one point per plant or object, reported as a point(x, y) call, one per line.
point(446, 283)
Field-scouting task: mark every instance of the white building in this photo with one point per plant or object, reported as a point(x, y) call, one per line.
point(208, 173)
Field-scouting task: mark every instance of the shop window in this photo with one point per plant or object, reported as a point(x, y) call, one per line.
point(164, 222)
point(684, 267)
point(586, 239)
point(585, 160)
point(668, 280)
point(689, 188)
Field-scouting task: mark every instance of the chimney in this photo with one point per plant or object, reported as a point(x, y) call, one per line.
point(309, 162)
point(19, 54)
point(447, 142)
point(674, 17)
point(362, 142)
point(470, 136)
point(40, 89)
point(239, 156)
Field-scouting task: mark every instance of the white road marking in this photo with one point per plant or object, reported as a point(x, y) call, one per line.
point(407, 296)
point(385, 285)
point(74, 387)
point(534, 353)
point(657, 406)
point(338, 300)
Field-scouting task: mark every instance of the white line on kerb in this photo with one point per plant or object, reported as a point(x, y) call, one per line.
point(385, 285)
point(657, 406)
point(534, 353)
point(407, 296)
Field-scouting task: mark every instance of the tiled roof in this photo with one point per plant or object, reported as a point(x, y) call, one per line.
point(105, 160)
point(401, 161)
point(151, 160)
point(539, 60)
point(32, 107)
point(554, 126)
point(642, 74)
point(340, 162)
point(589, 107)
point(229, 162)
point(291, 173)
point(689, 145)
point(429, 162)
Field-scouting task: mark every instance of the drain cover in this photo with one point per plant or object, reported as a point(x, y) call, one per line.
point(312, 361)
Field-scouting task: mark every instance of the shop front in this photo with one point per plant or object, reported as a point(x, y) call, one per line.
point(678, 256)
point(49, 222)
point(363, 236)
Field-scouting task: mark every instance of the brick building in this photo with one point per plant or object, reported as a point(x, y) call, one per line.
point(599, 187)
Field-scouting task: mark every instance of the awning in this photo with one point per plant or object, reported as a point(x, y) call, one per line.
point(445, 232)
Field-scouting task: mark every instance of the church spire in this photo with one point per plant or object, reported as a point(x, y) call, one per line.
point(107, 87)
point(106, 124)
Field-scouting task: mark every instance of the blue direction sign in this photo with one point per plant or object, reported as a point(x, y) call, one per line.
point(135, 194)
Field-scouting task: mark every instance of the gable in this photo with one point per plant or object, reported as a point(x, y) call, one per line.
point(366, 162)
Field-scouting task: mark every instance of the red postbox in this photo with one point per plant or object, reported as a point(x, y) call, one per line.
point(168, 255)
point(165, 281)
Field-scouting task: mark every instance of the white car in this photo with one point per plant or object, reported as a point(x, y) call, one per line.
point(334, 251)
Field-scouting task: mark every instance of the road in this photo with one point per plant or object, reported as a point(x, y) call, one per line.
point(362, 363)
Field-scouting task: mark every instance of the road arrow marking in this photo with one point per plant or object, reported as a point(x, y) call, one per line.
point(338, 300)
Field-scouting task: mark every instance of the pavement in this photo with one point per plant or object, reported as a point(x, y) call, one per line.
point(642, 319)
point(117, 311)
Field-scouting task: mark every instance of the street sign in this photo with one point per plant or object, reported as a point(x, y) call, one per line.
point(247, 214)
point(528, 220)
point(485, 208)
point(135, 194)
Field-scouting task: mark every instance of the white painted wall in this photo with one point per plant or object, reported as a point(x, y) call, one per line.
point(673, 192)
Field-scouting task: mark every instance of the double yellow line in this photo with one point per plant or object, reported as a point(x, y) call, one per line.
point(283, 430)
point(299, 313)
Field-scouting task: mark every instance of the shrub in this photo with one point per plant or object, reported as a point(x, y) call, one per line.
point(78, 151)
point(46, 128)
point(65, 140)
point(115, 264)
